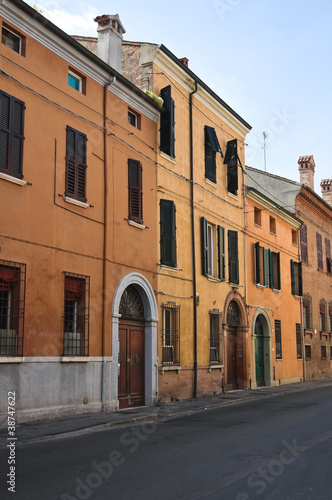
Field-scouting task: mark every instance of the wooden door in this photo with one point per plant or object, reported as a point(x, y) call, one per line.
point(259, 360)
point(131, 359)
point(231, 359)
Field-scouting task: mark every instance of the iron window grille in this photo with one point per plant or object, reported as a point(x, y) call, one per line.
point(76, 315)
point(298, 341)
point(307, 351)
point(216, 356)
point(170, 334)
point(322, 316)
point(307, 316)
point(11, 135)
point(12, 307)
point(323, 351)
point(277, 330)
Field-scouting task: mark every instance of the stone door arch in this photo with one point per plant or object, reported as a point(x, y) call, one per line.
point(261, 340)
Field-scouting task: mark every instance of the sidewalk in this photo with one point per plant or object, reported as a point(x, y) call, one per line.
point(81, 424)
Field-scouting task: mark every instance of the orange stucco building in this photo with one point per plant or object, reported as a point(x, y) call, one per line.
point(274, 292)
point(78, 237)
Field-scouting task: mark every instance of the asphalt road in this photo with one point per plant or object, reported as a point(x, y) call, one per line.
point(276, 448)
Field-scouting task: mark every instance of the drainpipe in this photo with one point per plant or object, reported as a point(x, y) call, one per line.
point(193, 234)
point(105, 250)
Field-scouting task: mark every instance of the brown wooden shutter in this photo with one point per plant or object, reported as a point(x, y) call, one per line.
point(76, 165)
point(135, 191)
point(304, 243)
point(11, 134)
point(319, 251)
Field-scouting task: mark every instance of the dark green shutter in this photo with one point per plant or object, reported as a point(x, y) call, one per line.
point(204, 245)
point(231, 159)
point(221, 252)
point(167, 233)
point(293, 277)
point(210, 158)
point(135, 191)
point(233, 258)
point(167, 123)
point(300, 279)
point(271, 269)
point(266, 281)
point(257, 264)
point(278, 271)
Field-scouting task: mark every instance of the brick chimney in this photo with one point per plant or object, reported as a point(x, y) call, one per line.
point(110, 31)
point(184, 61)
point(326, 187)
point(307, 170)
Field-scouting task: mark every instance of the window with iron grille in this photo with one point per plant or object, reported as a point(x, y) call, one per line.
point(171, 334)
point(298, 341)
point(135, 191)
point(212, 147)
point(11, 135)
point(307, 350)
point(12, 304)
point(277, 330)
point(304, 243)
point(76, 165)
point(76, 315)
point(167, 123)
point(323, 351)
point(216, 356)
point(296, 278)
point(322, 316)
point(307, 315)
point(319, 242)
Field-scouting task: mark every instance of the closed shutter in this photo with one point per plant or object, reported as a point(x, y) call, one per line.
point(271, 269)
point(300, 286)
point(233, 257)
point(167, 233)
point(76, 164)
point(167, 123)
point(221, 253)
point(257, 264)
point(278, 272)
point(293, 277)
point(204, 245)
point(298, 341)
point(266, 267)
point(304, 243)
point(11, 134)
point(319, 251)
point(210, 159)
point(231, 159)
point(277, 330)
point(135, 191)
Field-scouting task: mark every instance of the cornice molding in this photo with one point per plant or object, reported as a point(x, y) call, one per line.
point(271, 207)
point(312, 201)
point(74, 57)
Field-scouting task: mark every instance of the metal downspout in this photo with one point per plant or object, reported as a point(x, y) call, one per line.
point(193, 235)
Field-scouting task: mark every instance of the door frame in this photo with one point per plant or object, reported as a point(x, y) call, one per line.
point(147, 295)
point(267, 345)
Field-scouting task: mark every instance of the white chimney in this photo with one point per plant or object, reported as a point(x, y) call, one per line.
point(307, 170)
point(110, 31)
point(326, 187)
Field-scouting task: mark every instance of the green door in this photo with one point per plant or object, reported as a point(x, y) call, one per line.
point(259, 358)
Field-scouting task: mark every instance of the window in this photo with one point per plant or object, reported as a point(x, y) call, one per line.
point(273, 227)
point(307, 351)
point(134, 118)
point(76, 315)
point(307, 315)
point(232, 160)
point(213, 250)
point(258, 216)
point(323, 351)
point(167, 123)
point(76, 165)
point(167, 233)
point(171, 334)
point(322, 316)
point(304, 243)
point(298, 341)
point(135, 191)
point(12, 302)
point(212, 147)
point(215, 338)
point(74, 81)
point(319, 251)
point(330, 352)
point(328, 256)
point(233, 257)
point(12, 39)
point(330, 315)
point(277, 329)
point(294, 237)
point(267, 267)
point(296, 278)
point(11, 135)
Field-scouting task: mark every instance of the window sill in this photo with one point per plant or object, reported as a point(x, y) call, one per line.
point(276, 290)
point(232, 195)
point(136, 224)
point(173, 368)
point(211, 183)
point(167, 157)
point(215, 367)
point(11, 359)
point(258, 225)
point(213, 279)
point(76, 202)
point(273, 234)
point(169, 268)
point(279, 359)
point(297, 296)
point(258, 285)
point(74, 359)
point(12, 179)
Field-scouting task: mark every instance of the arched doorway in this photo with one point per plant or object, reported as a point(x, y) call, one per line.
point(236, 333)
point(134, 379)
point(131, 349)
point(261, 349)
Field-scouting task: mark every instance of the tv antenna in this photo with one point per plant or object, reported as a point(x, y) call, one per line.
point(264, 149)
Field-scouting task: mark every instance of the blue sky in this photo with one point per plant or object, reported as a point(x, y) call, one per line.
point(270, 60)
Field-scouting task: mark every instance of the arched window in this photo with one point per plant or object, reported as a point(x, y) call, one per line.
point(233, 314)
point(131, 305)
